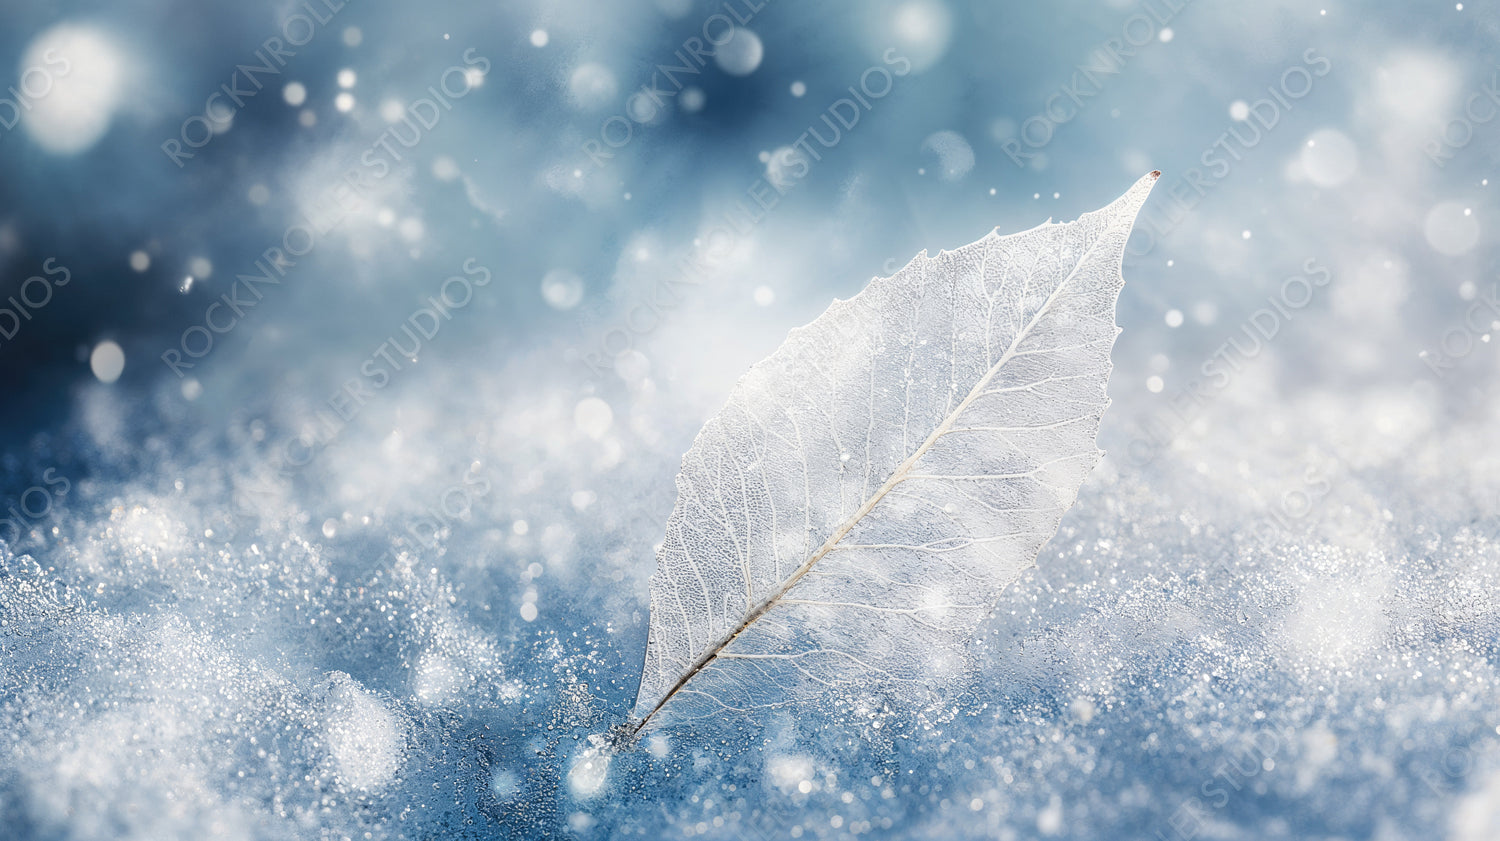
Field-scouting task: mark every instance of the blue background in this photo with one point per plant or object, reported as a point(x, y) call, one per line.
point(238, 604)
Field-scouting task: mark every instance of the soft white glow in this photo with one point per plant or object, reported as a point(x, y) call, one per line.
point(920, 30)
point(1451, 229)
point(1329, 158)
point(741, 54)
point(592, 86)
point(107, 361)
point(71, 77)
point(954, 154)
point(562, 289)
point(593, 417)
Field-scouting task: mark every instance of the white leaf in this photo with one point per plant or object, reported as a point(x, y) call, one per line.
point(853, 513)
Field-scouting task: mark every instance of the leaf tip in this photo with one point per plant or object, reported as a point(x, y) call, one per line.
point(1129, 204)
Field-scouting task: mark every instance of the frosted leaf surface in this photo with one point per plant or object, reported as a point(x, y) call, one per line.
point(855, 510)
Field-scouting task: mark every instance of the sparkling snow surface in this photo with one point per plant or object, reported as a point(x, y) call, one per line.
point(243, 601)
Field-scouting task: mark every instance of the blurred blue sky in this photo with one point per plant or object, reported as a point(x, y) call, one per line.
point(624, 247)
point(508, 192)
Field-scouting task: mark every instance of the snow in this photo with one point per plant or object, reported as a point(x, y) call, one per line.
point(364, 739)
point(1272, 612)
